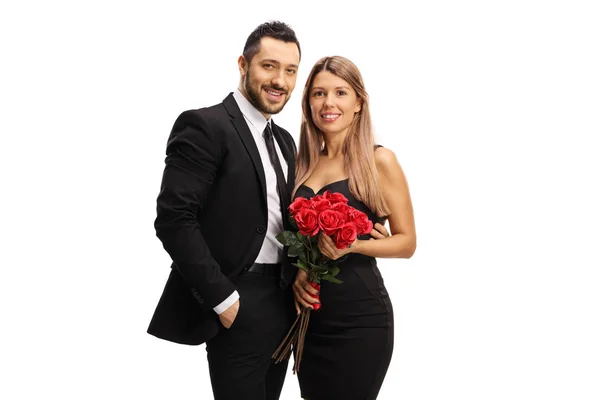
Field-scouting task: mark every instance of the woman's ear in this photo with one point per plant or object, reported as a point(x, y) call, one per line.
point(358, 105)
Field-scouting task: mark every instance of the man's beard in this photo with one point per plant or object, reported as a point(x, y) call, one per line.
point(258, 102)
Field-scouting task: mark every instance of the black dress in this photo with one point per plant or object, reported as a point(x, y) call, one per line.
point(349, 342)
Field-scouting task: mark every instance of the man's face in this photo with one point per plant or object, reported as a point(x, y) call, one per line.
point(270, 78)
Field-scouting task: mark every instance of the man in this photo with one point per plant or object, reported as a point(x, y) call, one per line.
point(227, 181)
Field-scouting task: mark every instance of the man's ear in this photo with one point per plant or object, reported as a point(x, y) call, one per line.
point(242, 66)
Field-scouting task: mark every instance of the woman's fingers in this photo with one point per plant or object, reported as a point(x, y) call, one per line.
point(379, 231)
point(302, 293)
point(327, 247)
point(302, 301)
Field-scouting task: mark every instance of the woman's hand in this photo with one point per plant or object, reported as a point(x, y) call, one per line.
point(328, 249)
point(304, 294)
point(379, 232)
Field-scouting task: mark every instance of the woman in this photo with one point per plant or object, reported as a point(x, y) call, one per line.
point(349, 342)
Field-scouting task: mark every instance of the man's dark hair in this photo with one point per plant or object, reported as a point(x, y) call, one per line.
point(273, 29)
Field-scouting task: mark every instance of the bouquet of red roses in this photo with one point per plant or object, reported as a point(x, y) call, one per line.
point(330, 215)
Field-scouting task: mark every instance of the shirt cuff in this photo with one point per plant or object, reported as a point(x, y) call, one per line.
point(225, 304)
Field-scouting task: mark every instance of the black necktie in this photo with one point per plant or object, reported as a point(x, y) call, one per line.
point(281, 185)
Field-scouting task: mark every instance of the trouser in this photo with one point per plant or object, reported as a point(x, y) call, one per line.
point(240, 357)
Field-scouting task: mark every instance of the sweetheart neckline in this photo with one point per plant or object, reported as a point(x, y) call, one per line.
point(329, 184)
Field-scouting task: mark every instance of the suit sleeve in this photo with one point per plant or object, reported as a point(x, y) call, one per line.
point(194, 154)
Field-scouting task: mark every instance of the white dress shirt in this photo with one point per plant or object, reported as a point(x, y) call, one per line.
point(271, 251)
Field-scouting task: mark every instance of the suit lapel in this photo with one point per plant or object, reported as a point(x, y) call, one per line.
point(238, 121)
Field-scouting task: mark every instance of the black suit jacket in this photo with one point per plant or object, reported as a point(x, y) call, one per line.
point(211, 216)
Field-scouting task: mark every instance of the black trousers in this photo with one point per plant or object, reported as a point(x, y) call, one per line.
point(239, 358)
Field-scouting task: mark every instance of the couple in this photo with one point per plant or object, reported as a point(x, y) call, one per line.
point(229, 178)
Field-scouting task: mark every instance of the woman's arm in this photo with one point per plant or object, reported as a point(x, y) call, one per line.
point(403, 240)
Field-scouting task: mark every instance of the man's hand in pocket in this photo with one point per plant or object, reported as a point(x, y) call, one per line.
point(228, 316)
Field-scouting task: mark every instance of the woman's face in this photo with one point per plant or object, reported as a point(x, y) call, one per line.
point(333, 103)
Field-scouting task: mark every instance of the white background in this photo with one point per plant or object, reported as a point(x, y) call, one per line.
point(490, 106)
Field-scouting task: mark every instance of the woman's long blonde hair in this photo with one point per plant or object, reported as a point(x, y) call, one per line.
point(358, 147)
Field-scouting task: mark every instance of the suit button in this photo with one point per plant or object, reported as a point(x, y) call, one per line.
point(260, 229)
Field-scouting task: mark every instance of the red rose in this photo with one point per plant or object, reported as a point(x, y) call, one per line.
point(335, 197)
point(319, 203)
point(346, 235)
point(298, 204)
point(307, 222)
point(362, 222)
point(342, 208)
point(330, 221)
